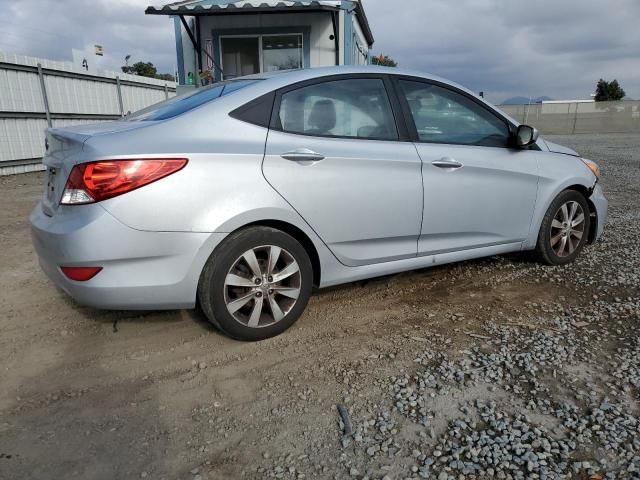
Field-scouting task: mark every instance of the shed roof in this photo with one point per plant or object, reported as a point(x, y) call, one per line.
point(209, 7)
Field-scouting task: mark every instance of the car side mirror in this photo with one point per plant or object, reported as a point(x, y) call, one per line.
point(526, 135)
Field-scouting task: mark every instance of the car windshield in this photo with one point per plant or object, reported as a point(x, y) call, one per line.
point(178, 105)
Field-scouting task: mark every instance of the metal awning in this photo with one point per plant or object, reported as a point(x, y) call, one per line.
point(202, 7)
point(199, 7)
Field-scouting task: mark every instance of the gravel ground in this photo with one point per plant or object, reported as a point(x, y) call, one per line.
point(497, 368)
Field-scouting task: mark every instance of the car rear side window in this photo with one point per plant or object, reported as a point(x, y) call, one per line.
point(354, 108)
point(445, 116)
point(178, 105)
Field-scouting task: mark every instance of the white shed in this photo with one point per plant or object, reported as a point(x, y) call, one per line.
point(222, 39)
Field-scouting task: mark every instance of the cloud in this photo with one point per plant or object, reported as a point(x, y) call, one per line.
point(51, 28)
point(558, 48)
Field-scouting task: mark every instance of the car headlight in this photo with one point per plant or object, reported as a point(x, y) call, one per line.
point(593, 166)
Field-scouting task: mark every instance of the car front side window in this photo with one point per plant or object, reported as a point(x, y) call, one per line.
point(352, 108)
point(445, 116)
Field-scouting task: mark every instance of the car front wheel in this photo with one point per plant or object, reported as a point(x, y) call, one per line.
point(565, 229)
point(256, 284)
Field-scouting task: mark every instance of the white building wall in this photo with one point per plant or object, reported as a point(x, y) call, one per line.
point(359, 58)
point(323, 49)
point(188, 53)
point(341, 23)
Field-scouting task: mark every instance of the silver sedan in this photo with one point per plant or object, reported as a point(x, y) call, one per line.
point(243, 196)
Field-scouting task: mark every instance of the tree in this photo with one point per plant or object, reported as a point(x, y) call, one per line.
point(166, 76)
point(384, 61)
point(146, 69)
point(609, 91)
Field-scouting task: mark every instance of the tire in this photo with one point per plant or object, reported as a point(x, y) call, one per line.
point(248, 307)
point(561, 238)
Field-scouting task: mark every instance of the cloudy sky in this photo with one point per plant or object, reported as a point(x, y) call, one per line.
point(558, 48)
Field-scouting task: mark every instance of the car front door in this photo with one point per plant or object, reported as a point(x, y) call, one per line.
point(334, 153)
point(478, 191)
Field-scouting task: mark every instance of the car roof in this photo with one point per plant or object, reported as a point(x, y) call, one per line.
point(283, 78)
point(308, 73)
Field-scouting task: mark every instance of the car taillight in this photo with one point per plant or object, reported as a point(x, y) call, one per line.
point(97, 181)
point(80, 274)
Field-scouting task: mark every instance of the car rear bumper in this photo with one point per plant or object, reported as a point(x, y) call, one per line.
point(602, 209)
point(141, 270)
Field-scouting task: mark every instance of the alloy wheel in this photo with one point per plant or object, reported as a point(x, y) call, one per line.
point(567, 229)
point(262, 286)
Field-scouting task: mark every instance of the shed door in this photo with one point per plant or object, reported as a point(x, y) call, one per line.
point(240, 56)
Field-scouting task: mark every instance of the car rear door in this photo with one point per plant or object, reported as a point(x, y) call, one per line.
point(479, 192)
point(335, 154)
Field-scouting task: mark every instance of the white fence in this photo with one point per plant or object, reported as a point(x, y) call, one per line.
point(571, 118)
point(37, 93)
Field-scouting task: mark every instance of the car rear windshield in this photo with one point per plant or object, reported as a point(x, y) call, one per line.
point(178, 105)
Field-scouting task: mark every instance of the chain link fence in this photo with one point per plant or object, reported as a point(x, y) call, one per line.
point(578, 117)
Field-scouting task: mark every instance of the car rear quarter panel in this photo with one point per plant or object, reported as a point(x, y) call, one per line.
point(221, 189)
point(223, 179)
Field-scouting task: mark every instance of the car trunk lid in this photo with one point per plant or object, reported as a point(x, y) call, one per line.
point(63, 150)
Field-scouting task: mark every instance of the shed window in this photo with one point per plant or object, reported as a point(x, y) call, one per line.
point(250, 54)
point(283, 52)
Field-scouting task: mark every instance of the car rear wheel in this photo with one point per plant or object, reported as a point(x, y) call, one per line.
point(564, 230)
point(256, 284)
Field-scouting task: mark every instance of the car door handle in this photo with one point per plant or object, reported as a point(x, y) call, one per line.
point(302, 155)
point(447, 162)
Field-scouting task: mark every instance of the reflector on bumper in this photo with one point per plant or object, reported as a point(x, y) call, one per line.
point(80, 274)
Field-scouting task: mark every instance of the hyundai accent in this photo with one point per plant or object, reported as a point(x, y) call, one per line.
point(243, 196)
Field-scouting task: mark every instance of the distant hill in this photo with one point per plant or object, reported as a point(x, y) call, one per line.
point(525, 100)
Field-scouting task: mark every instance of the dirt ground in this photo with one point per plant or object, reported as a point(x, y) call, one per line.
point(117, 395)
